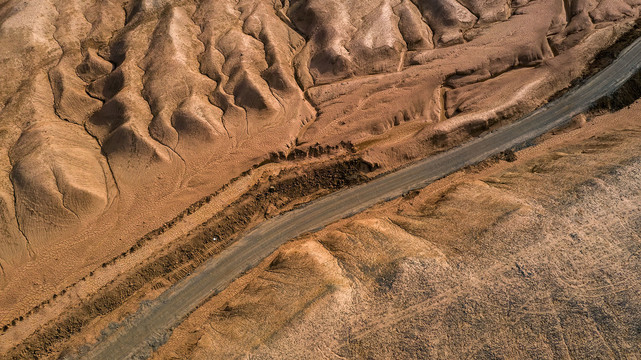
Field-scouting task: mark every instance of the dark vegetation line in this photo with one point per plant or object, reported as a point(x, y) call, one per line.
point(198, 248)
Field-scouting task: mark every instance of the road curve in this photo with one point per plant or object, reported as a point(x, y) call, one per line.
point(153, 322)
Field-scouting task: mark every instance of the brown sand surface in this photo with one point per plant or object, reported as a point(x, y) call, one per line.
point(117, 115)
point(536, 258)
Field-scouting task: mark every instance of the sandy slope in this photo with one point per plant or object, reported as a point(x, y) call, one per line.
point(533, 259)
point(116, 115)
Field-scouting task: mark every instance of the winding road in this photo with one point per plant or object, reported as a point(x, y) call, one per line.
point(153, 323)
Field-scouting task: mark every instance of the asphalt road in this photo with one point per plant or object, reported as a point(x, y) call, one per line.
point(152, 323)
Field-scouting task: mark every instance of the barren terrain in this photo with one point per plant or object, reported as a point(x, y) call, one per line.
point(116, 116)
point(537, 258)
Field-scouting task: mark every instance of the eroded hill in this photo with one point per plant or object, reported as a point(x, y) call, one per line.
point(115, 115)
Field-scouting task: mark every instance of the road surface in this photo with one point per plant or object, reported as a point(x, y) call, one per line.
point(171, 307)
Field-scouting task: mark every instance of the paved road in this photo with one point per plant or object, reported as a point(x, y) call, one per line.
point(173, 305)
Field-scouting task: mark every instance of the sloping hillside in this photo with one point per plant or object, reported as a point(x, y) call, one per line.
point(116, 115)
